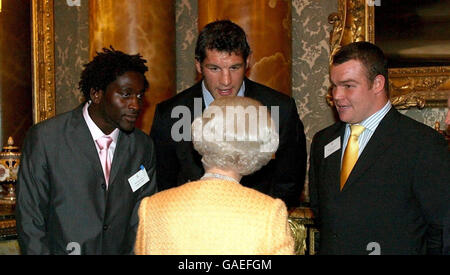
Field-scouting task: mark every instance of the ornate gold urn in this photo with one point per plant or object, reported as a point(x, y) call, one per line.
point(9, 166)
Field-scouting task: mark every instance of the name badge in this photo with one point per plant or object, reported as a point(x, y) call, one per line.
point(332, 147)
point(139, 179)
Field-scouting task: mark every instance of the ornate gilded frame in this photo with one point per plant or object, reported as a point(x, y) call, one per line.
point(409, 87)
point(43, 56)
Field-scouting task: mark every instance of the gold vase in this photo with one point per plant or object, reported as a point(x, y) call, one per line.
point(9, 166)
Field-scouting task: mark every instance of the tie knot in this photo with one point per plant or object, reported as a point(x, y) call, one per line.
point(104, 142)
point(356, 130)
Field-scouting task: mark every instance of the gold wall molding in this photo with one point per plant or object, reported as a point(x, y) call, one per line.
point(43, 55)
point(303, 230)
point(409, 87)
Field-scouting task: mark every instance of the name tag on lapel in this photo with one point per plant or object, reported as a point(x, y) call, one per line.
point(139, 179)
point(332, 147)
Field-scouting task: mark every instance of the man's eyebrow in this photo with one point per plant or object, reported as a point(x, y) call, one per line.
point(346, 81)
point(211, 65)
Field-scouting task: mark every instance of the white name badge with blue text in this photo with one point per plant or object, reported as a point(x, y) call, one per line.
point(332, 147)
point(138, 179)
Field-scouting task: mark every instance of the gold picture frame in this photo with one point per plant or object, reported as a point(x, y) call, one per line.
point(43, 57)
point(409, 87)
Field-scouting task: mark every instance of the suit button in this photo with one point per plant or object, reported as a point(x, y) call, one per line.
point(104, 186)
point(105, 227)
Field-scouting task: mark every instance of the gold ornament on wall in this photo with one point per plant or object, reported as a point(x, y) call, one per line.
point(43, 45)
point(409, 87)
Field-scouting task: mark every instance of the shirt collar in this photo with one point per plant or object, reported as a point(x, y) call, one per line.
point(371, 123)
point(96, 132)
point(208, 98)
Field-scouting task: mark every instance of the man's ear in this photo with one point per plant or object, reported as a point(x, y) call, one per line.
point(96, 96)
point(378, 84)
point(198, 66)
point(247, 62)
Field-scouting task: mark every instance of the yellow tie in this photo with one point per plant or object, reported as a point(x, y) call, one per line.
point(351, 153)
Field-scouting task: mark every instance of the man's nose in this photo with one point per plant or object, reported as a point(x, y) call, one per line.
point(337, 93)
point(134, 103)
point(225, 78)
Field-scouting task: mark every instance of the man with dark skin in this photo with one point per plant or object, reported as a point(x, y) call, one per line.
point(75, 194)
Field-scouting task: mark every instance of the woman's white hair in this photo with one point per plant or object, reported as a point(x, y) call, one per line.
point(235, 133)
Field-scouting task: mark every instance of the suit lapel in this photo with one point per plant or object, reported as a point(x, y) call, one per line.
point(251, 92)
point(197, 94)
point(80, 137)
point(121, 154)
point(332, 163)
point(379, 142)
point(184, 149)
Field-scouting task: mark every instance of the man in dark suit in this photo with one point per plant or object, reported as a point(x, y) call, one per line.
point(393, 200)
point(75, 194)
point(222, 57)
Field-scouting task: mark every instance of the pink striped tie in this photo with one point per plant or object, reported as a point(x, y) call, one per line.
point(103, 143)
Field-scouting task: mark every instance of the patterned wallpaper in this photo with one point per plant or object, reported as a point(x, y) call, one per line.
point(310, 50)
point(310, 63)
point(186, 37)
point(71, 52)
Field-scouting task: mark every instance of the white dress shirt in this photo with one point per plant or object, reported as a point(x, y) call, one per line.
point(96, 133)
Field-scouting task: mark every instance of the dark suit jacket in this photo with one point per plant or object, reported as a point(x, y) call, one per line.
point(446, 238)
point(61, 191)
point(178, 162)
point(396, 195)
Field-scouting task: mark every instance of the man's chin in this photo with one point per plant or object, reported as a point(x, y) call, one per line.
point(125, 127)
point(346, 119)
point(342, 117)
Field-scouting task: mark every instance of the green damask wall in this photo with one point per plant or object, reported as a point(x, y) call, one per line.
point(71, 52)
point(186, 36)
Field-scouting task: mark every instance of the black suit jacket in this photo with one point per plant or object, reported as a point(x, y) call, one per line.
point(61, 191)
point(178, 162)
point(446, 238)
point(396, 195)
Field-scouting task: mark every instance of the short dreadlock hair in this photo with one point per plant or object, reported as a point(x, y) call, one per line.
point(106, 67)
